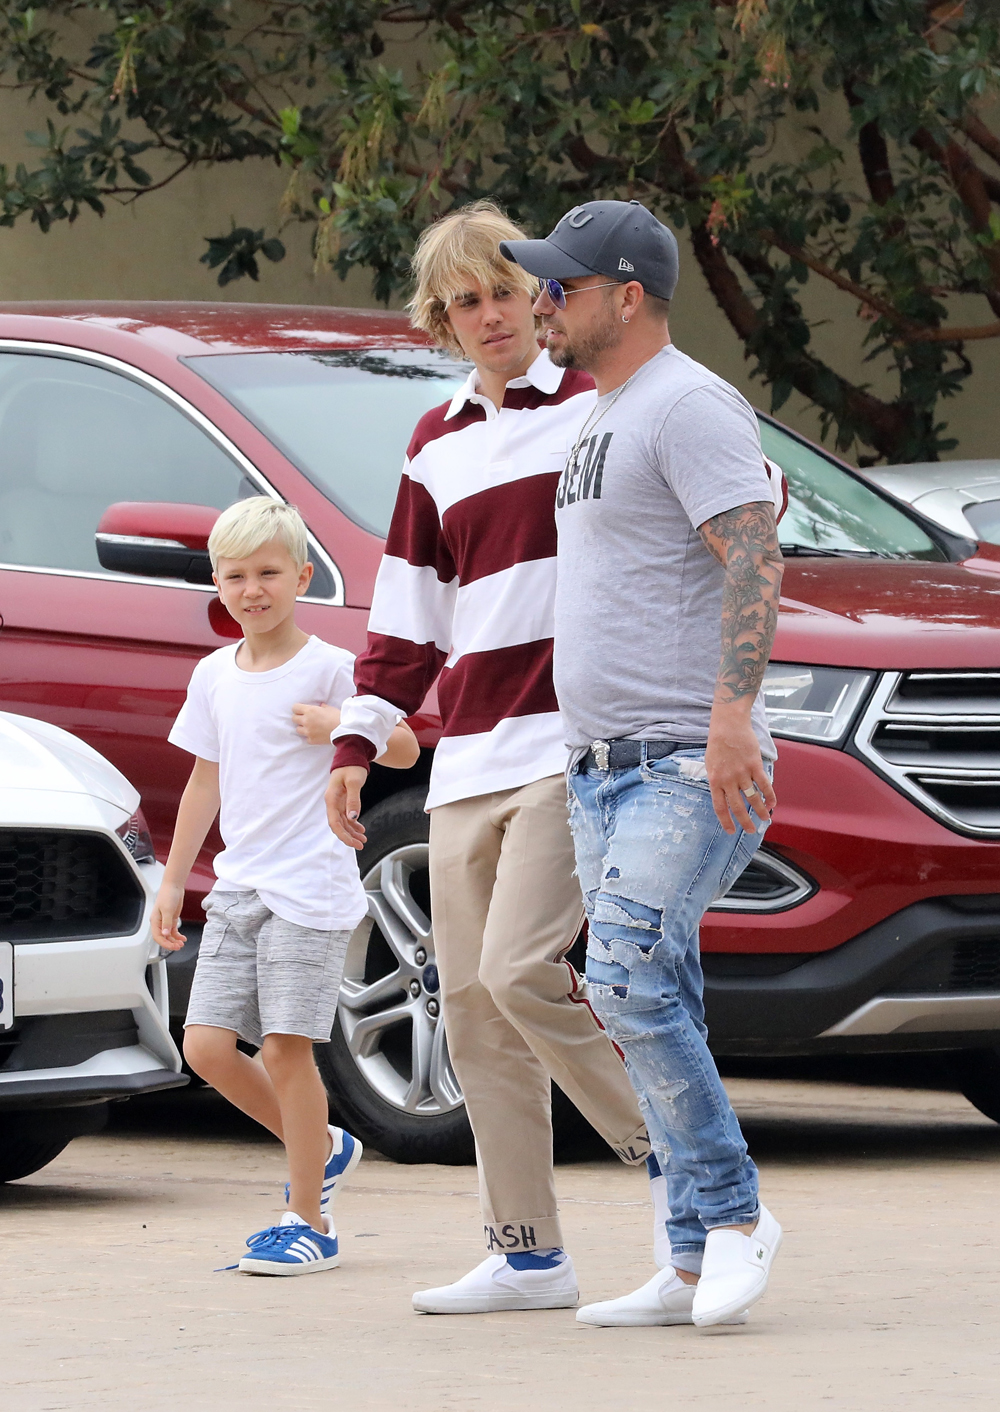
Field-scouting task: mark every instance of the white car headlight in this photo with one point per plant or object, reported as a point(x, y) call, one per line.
point(134, 833)
point(813, 703)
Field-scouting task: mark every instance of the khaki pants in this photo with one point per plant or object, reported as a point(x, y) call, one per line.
point(507, 907)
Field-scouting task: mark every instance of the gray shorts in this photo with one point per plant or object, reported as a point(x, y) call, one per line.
point(258, 974)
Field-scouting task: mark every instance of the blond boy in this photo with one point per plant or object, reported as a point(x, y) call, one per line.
point(288, 894)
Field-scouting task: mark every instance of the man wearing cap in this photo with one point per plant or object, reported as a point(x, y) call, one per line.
point(668, 582)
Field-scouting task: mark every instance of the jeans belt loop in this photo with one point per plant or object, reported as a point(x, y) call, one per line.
point(602, 754)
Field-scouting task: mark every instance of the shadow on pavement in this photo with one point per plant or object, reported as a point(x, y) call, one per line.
point(186, 1112)
point(800, 1141)
point(40, 1193)
point(799, 1134)
point(931, 1071)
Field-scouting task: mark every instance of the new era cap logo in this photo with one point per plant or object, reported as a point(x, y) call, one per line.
point(623, 264)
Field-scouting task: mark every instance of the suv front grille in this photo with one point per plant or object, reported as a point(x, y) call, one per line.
point(976, 964)
point(936, 735)
point(60, 885)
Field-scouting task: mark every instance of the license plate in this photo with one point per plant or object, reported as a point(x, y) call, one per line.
point(6, 985)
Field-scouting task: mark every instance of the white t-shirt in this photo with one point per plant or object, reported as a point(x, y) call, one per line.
point(272, 782)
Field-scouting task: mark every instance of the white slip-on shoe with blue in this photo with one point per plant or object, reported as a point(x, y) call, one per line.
point(735, 1270)
point(496, 1284)
point(663, 1300)
point(292, 1247)
point(345, 1156)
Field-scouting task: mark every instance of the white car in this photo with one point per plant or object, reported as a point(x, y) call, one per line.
point(83, 988)
point(963, 496)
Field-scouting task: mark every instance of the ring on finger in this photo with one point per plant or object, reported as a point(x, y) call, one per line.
point(750, 790)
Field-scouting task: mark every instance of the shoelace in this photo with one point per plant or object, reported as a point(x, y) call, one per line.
point(274, 1238)
point(271, 1240)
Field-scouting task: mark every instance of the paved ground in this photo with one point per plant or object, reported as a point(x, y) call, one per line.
point(885, 1295)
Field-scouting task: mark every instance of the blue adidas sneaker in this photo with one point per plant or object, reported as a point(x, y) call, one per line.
point(347, 1153)
point(291, 1248)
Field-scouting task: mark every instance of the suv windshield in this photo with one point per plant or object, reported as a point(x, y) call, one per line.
point(345, 418)
point(829, 511)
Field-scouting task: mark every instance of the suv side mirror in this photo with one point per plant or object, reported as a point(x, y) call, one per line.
point(157, 540)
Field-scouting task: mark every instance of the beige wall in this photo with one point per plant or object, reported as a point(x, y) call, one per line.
point(151, 250)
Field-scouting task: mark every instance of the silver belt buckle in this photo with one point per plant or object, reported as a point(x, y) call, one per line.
point(602, 753)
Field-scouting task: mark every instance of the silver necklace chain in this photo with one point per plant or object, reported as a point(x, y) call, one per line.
point(589, 426)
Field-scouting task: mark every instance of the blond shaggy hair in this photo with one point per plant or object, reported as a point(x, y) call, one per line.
point(248, 525)
point(453, 255)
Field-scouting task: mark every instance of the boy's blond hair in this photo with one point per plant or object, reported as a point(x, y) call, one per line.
point(455, 253)
point(244, 527)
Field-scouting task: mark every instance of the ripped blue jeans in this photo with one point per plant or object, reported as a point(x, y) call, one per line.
point(651, 855)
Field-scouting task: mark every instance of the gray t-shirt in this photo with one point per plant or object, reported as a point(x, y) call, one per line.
point(639, 597)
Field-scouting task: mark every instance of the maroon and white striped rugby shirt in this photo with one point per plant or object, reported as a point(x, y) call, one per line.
point(466, 588)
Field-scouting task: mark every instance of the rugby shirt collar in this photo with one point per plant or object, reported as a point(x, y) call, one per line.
point(543, 374)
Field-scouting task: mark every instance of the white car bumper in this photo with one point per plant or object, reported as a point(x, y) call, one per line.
point(116, 988)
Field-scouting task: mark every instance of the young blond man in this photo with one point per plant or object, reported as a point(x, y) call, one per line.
point(288, 894)
point(464, 596)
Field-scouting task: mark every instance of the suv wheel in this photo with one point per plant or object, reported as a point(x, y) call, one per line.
point(977, 1072)
point(386, 1067)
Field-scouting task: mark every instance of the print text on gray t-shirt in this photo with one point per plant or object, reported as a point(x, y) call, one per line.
point(639, 597)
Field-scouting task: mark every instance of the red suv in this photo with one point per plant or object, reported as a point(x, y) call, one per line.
point(869, 922)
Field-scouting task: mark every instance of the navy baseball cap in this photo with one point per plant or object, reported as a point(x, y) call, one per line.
point(620, 239)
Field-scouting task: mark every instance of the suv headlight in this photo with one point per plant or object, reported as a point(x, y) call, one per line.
point(813, 703)
point(134, 833)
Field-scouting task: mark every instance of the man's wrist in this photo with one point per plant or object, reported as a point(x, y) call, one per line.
point(353, 750)
point(738, 709)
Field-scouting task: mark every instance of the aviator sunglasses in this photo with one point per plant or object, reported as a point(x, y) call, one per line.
point(557, 294)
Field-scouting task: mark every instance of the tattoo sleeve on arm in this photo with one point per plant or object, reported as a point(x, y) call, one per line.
point(745, 542)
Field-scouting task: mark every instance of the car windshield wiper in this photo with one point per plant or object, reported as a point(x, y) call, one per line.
point(816, 551)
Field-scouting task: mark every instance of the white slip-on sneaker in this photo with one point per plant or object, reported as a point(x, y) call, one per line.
point(661, 1214)
point(735, 1270)
point(495, 1285)
point(664, 1300)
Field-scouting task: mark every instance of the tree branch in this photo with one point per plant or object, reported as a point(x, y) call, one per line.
point(883, 424)
point(974, 127)
point(134, 192)
point(722, 280)
point(863, 295)
point(583, 156)
point(258, 114)
point(913, 333)
point(969, 182)
point(874, 153)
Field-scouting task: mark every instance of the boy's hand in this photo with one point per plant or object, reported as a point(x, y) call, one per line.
point(165, 915)
point(343, 805)
point(314, 723)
